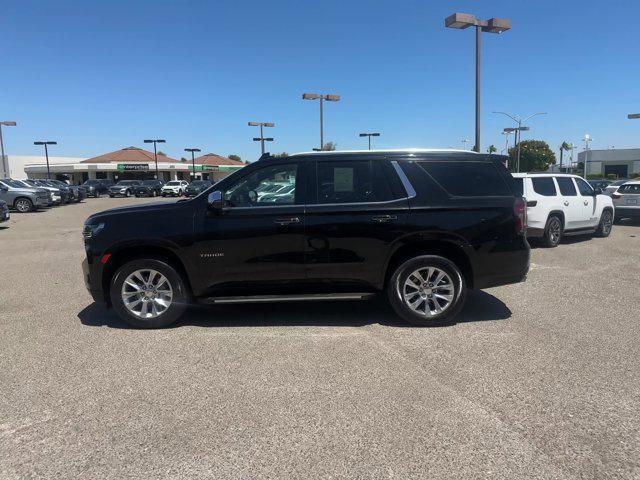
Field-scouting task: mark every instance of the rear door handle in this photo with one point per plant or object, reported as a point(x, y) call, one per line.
point(287, 221)
point(586, 202)
point(383, 218)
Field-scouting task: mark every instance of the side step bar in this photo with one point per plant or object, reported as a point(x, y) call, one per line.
point(289, 298)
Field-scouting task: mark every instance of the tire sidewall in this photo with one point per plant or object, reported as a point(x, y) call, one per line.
point(601, 232)
point(180, 295)
point(405, 269)
point(548, 242)
point(27, 202)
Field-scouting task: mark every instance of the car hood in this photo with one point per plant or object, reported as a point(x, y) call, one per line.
point(133, 209)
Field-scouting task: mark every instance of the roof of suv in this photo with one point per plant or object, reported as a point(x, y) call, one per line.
point(547, 174)
point(397, 150)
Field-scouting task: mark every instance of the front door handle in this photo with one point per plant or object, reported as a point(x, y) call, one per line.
point(383, 218)
point(566, 204)
point(287, 221)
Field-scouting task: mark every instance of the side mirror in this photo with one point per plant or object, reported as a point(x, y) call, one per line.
point(3, 188)
point(215, 200)
point(597, 191)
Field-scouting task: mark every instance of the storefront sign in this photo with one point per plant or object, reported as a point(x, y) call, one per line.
point(133, 167)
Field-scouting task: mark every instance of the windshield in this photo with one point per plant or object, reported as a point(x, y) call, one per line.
point(150, 182)
point(173, 184)
point(127, 182)
point(618, 183)
point(12, 183)
point(92, 182)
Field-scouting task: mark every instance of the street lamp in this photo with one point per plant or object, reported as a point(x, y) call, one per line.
point(322, 97)
point(46, 154)
point(5, 165)
point(155, 152)
point(464, 142)
point(493, 25)
point(376, 134)
point(520, 128)
point(586, 139)
point(262, 139)
point(193, 159)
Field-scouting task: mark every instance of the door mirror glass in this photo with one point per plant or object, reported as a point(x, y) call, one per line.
point(216, 201)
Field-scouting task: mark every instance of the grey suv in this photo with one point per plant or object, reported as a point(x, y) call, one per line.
point(21, 198)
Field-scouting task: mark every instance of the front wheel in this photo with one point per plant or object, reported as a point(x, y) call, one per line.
point(552, 232)
point(605, 225)
point(428, 290)
point(148, 293)
point(23, 205)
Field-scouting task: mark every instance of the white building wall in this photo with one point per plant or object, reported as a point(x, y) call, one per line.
point(18, 162)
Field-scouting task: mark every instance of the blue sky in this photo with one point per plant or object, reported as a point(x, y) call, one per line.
point(98, 76)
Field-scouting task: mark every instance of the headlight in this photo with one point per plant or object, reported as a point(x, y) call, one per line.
point(90, 230)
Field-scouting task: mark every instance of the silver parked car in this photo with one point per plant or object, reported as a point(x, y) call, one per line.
point(626, 200)
point(23, 199)
point(613, 187)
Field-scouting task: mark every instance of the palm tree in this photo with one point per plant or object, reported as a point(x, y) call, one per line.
point(565, 147)
point(492, 149)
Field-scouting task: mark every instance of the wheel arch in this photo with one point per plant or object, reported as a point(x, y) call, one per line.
point(559, 214)
point(128, 253)
point(447, 249)
point(25, 197)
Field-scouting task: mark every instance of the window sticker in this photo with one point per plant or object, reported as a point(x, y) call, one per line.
point(342, 179)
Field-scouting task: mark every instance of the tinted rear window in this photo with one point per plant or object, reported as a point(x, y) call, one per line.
point(518, 186)
point(567, 188)
point(634, 189)
point(544, 186)
point(468, 179)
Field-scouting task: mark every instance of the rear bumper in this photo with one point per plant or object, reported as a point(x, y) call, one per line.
point(535, 232)
point(632, 212)
point(504, 264)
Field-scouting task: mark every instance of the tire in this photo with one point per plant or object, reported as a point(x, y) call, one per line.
point(137, 195)
point(110, 196)
point(552, 232)
point(605, 225)
point(400, 292)
point(23, 205)
point(177, 285)
point(127, 193)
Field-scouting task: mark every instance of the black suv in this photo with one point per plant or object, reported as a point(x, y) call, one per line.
point(420, 225)
point(96, 187)
point(148, 188)
point(197, 187)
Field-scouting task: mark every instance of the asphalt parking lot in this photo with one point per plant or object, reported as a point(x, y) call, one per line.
point(537, 380)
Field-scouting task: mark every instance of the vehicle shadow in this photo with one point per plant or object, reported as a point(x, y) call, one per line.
point(480, 307)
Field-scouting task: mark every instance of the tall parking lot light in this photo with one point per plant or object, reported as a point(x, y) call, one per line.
point(193, 159)
point(586, 139)
point(46, 154)
point(322, 97)
point(369, 135)
point(633, 116)
point(155, 152)
point(262, 138)
point(520, 128)
point(493, 25)
point(5, 163)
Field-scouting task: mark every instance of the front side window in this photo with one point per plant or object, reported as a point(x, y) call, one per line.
point(269, 186)
point(352, 181)
point(544, 186)
point(584, 188)
point(567, 188)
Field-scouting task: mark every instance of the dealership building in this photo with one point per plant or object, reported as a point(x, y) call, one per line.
point(131, 163)
point(621, 162)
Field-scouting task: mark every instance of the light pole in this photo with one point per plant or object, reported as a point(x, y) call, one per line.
point(493, 25)
point(262, 138)
point(46, 154)
point(322, 97)
point(464, 142)
point(155, 152)
point(520, 128)
point(633, 116)
point(506, 132)
point(193, 159)
point(376, 134)
point(572, 147)
point(587, 138)
point(5, 164)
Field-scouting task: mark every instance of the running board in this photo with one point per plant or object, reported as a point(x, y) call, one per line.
point(289, 298)
point(580, 231)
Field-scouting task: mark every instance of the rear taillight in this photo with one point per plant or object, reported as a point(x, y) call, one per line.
point(616, 195)
point(520, 211)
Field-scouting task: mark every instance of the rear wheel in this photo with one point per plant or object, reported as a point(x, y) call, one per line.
point(605, 225)
point(552, 232)
point(23, 205)
point(148, 293)
point(428, 290)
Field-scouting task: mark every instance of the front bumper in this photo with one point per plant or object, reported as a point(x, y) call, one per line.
point(90, 278)
point(41, 202)
point(627, 212)
point(173, 193)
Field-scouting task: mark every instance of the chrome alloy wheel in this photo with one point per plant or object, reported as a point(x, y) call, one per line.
point(146, 293)
point(428, 291)
point(555, 230)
